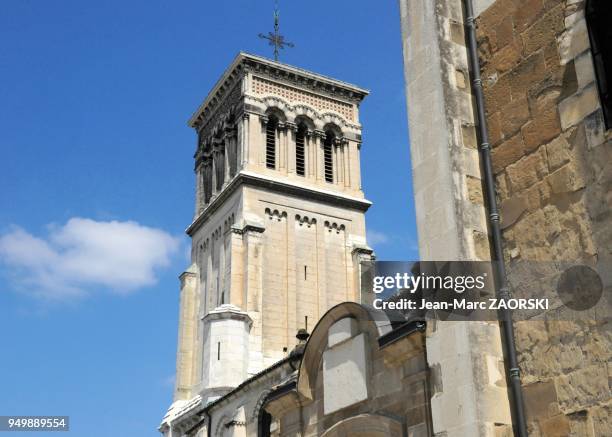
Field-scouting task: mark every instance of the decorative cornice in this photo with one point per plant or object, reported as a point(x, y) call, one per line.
point(299, 191)
point(246, 228)
point(277, 71)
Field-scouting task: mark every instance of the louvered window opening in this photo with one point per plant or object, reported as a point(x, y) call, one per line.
point(300, 161)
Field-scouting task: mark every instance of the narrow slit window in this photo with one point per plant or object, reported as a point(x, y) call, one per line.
point(599, 16)
point(300, 160)
point(305, 272)
point(328, 160)
point(218, 351)
point(271, 127)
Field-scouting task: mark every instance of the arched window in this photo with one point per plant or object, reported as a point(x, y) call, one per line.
point(300, 145)
point(271, 127)
point(599, 16)
point(328, 160)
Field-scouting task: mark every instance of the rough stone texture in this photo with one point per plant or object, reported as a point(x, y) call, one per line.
point(553, 161)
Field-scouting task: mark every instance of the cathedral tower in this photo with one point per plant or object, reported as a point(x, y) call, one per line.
point(279, 225)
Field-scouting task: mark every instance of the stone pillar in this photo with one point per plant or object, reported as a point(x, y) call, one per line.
point(261, 142)
point(337, 163)
point(346, 163)
point(253, 281)
point(200, 198)
point(282, 147)
point(319, 137)
point(237, 289)
point(309, 155)
point(292, 322)
point(291, 139)
point(243, 146)
point(208, 178)
point(185, 372)
point(465, 359)
point(355, 163)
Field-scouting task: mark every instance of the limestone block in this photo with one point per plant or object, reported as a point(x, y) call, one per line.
point(555, 426)
point(342, 330)
point(557, 153)
point(538, 399)
point(528, 171)
point(566, 180)
point(575, 108)
point(574, 41)
point(345, 374)
point(508, 152)
point(585, 74)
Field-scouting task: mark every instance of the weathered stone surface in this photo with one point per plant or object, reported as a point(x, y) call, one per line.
point(538, 398)
point(553, 173)
point(474, 187)
point(511, 210)
point(494, 124)
point(507, 58)
point(507, 153)
point(515, 115)
point(498, 92)
point(582, 388)
point(543, 128)
point(543, 30)
point(528, 12)
point(574, 109)
point(602, 419)
point(557, 426)
point(573, 42)
point(557, 153)
point(566, 180)
point(527, 171)
point(530, 71)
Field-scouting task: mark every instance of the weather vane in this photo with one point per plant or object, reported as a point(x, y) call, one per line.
point(276, 39)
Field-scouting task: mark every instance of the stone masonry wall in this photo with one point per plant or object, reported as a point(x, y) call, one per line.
point(553, 163)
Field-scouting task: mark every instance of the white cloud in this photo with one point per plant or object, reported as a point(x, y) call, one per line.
point(376, 238)
point(84, 253)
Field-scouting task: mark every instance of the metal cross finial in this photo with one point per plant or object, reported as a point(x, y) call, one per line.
point(276, 39)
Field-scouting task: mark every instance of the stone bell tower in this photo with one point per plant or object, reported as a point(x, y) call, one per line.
point(279, 227)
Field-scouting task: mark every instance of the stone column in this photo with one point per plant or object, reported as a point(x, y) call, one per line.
point(309, 157)
point(355, 161)
point(347, 165)
point(226, 147)
point(253, 287)
point(336, 170)
point(318, 138)
point(199, 204)
point(261, 142)
point(185, 372)
point(214, 172)
point(281, 147)
point(237, 295)
point(243, 146)
point(291, 147)
point(208, 178)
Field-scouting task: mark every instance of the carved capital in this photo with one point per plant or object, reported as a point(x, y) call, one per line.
point(291, 126)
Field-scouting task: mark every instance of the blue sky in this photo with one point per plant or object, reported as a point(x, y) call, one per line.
point(96, 181)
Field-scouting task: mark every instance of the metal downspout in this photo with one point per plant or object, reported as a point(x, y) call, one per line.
point(516, 400)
